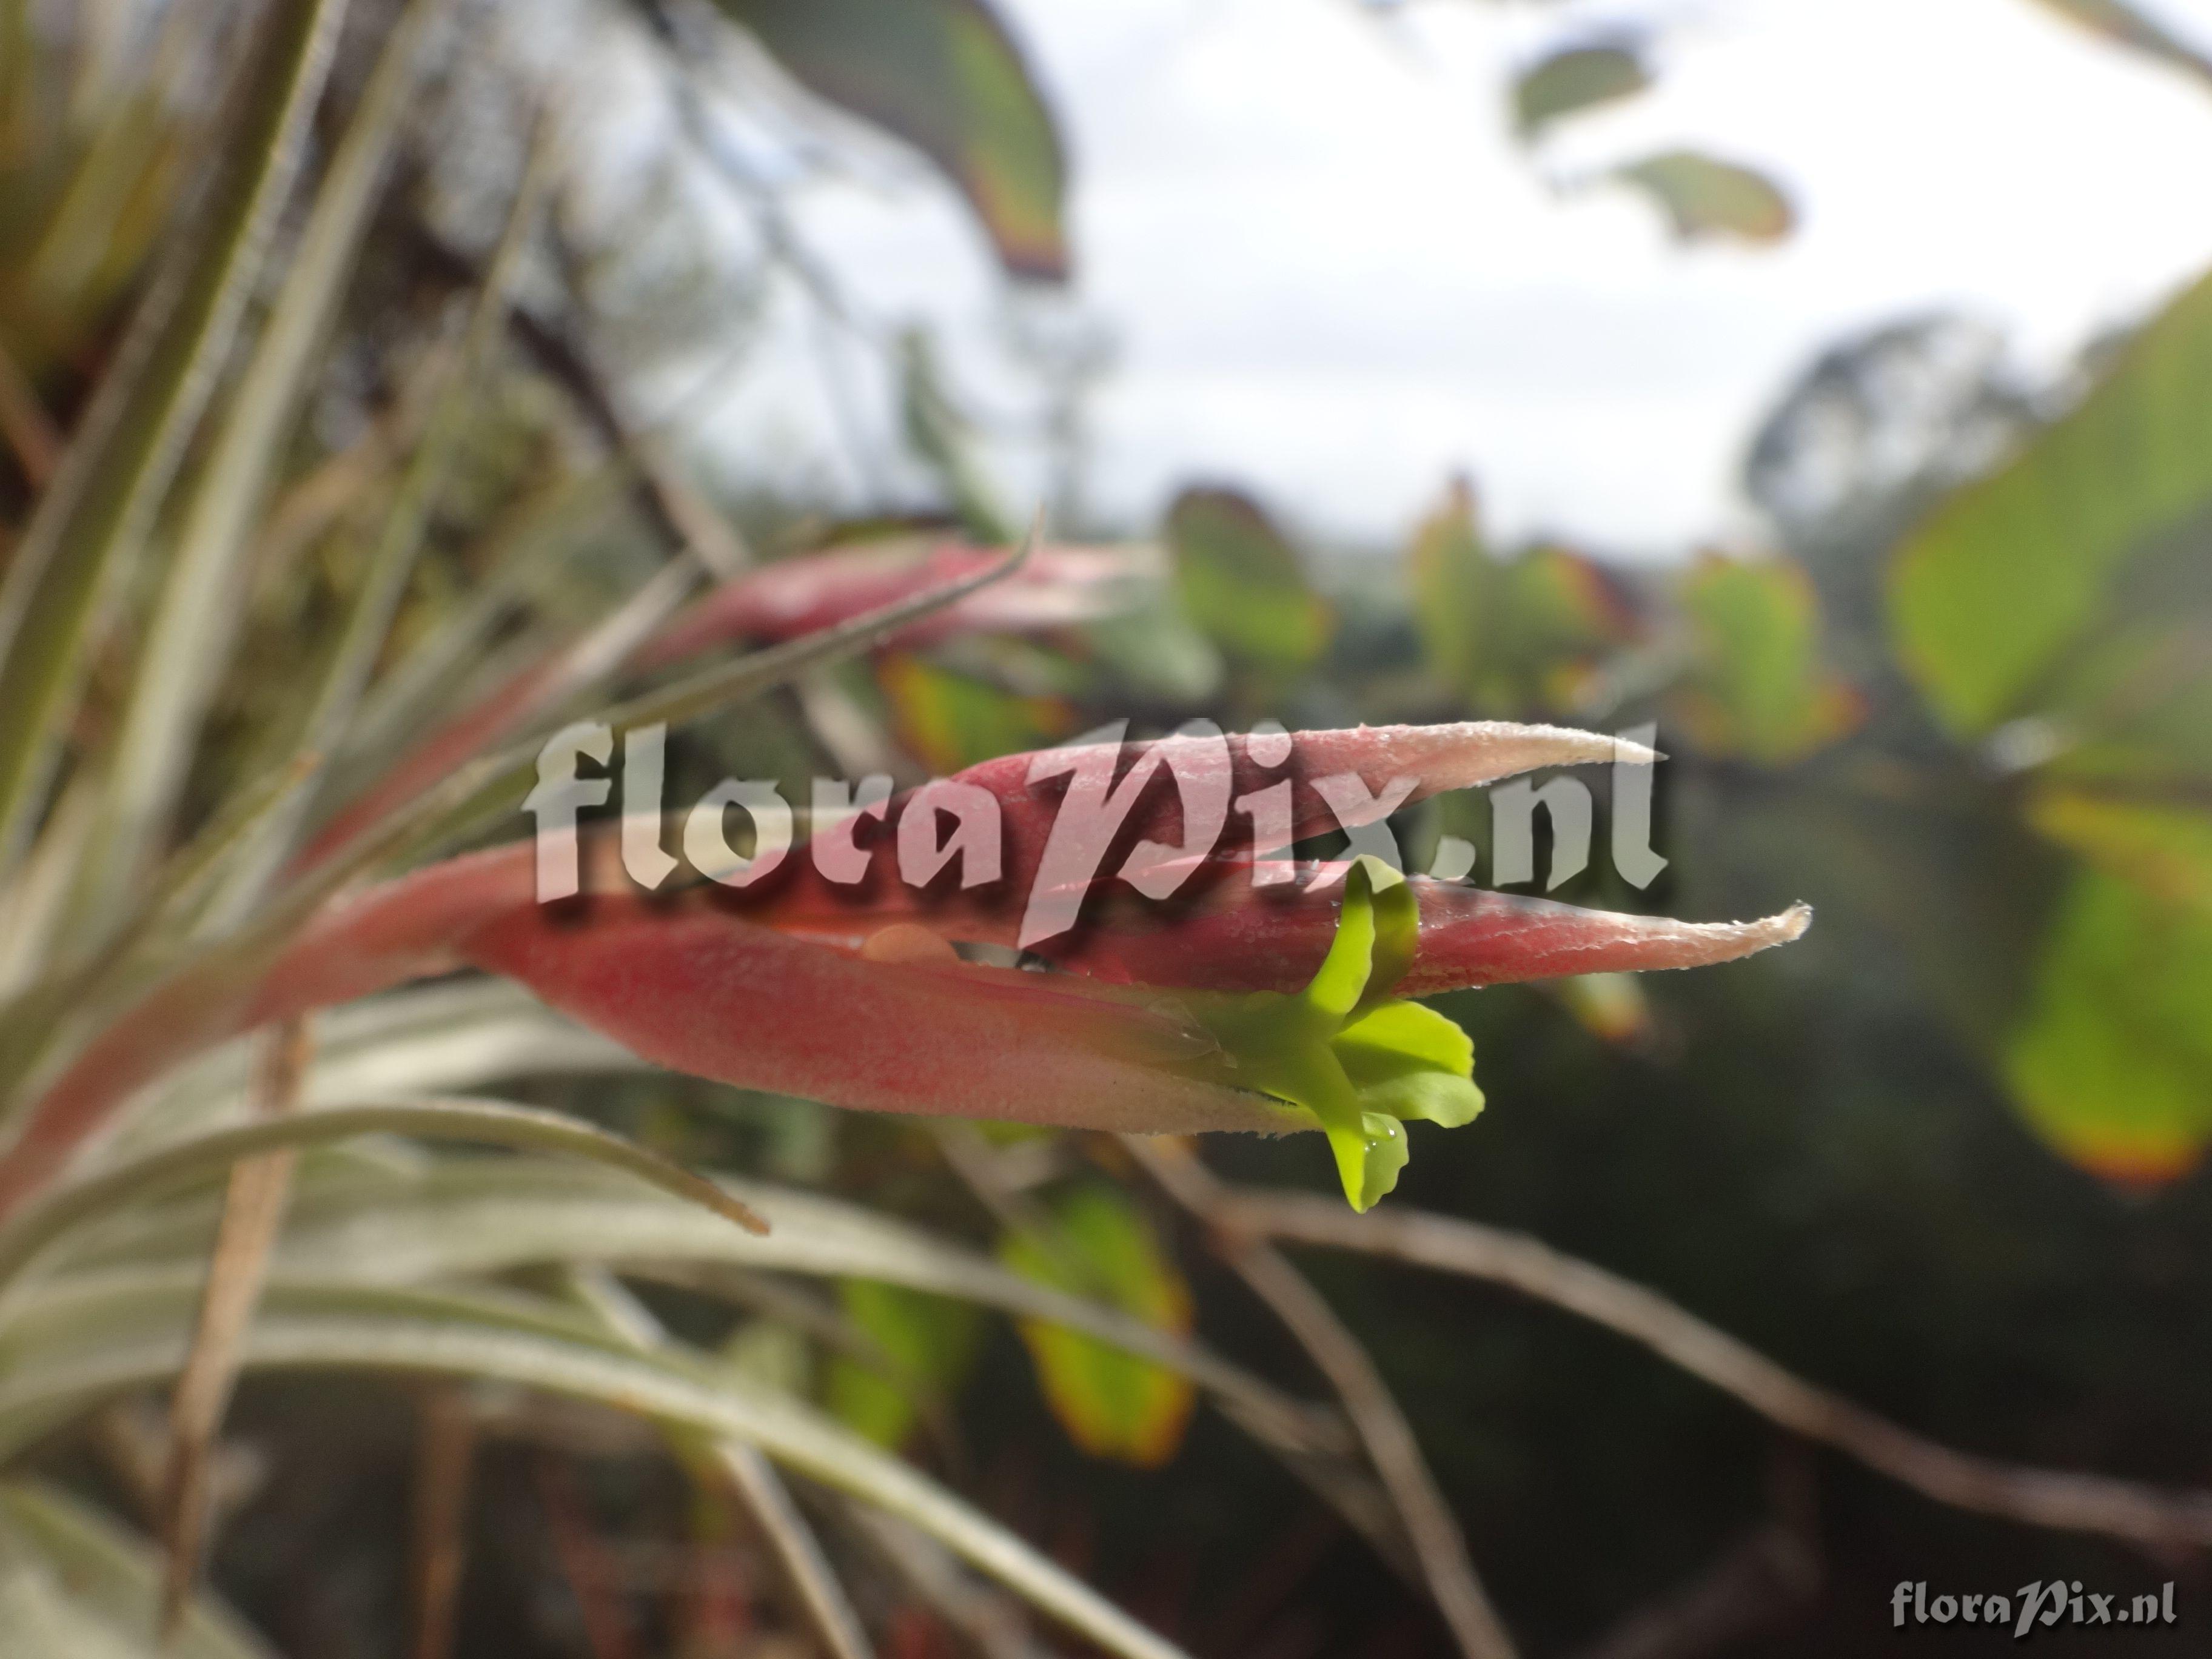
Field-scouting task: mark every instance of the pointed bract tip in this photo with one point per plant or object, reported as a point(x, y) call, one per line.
point(1707, 944)
point(1481, 751)
point(1470, 936)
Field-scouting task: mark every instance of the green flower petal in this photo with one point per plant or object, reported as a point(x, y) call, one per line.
point(1369, 1156)
point(1355, 1062)
point(1405, 1031)
point(1342, 978)
point(1433, 1097)
point(1397, 926)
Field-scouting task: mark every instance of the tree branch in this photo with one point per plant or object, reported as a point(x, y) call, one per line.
point(1438, 1544)
point(2043, 1498)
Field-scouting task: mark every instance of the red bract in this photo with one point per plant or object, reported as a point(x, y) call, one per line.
point(1236, 936)
point(1241, 939)
point(1431, 759)
point(1058, 587)
point(704, 993)
point(415, 925)
point(775, 989)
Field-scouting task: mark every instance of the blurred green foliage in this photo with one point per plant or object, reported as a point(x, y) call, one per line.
point(1519, 634)
point(1704, 197)
point(1756, 685)
point(919, 1350)
point(1095, 1241)
point(944, 76)
point(1577, 78)
point(1240, 583)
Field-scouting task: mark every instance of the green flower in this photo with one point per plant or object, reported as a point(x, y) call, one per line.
point(1343, 1053)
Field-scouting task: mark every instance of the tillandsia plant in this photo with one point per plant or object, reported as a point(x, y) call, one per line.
point(180, 900)
point(272, 702)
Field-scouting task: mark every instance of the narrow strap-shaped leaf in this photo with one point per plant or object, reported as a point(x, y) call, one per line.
point(654, 1387)
point(525, 554)
point(548, 681)
point(112, 1574)
point(200, 1000)
point(36, 894)
point(455, 1037)
point(478, 793)
point(51, 1010)
point(194, 621)
point(483, 1122)
point(483, 1217)
point(384, 583)
point(813, 1581)
point(112, 480)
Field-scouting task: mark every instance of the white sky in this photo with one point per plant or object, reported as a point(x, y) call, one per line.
point(1332, 277)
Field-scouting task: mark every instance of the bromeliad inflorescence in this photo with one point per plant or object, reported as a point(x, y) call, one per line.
point(1257, 1006)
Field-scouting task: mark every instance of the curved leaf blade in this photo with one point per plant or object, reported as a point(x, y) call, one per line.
point(2131, 25)
point(2112, 1056)
point(85, 1572)
point(946, 76)
point(657, 1387)
point(195, 618)
point(1112, 1404)
point(1579, 78)
point(486, 1121)
point(112, 479)
point(477, 1218)
point(2014, 574)
point(1704, 198)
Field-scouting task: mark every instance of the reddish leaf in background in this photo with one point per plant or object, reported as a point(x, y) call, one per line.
point(1055, 587)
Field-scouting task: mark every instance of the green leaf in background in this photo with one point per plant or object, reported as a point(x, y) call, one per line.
point(944, 76)
point(930, 1343)
point(1756, 685)
point(1241, 583)
point(2165, 850)
point(75, 1585)
point(1156, 651)
point(2131, 26)
point(1704, 197)
point(2112, 1062)
point(2005, 583)
point(2056, 610)
point(1454, 582)
point(951, 721)
point(1510, 637)
point(1111, 1403)
point(943, 439)
point(1609, 1006)
point(1577, 79)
